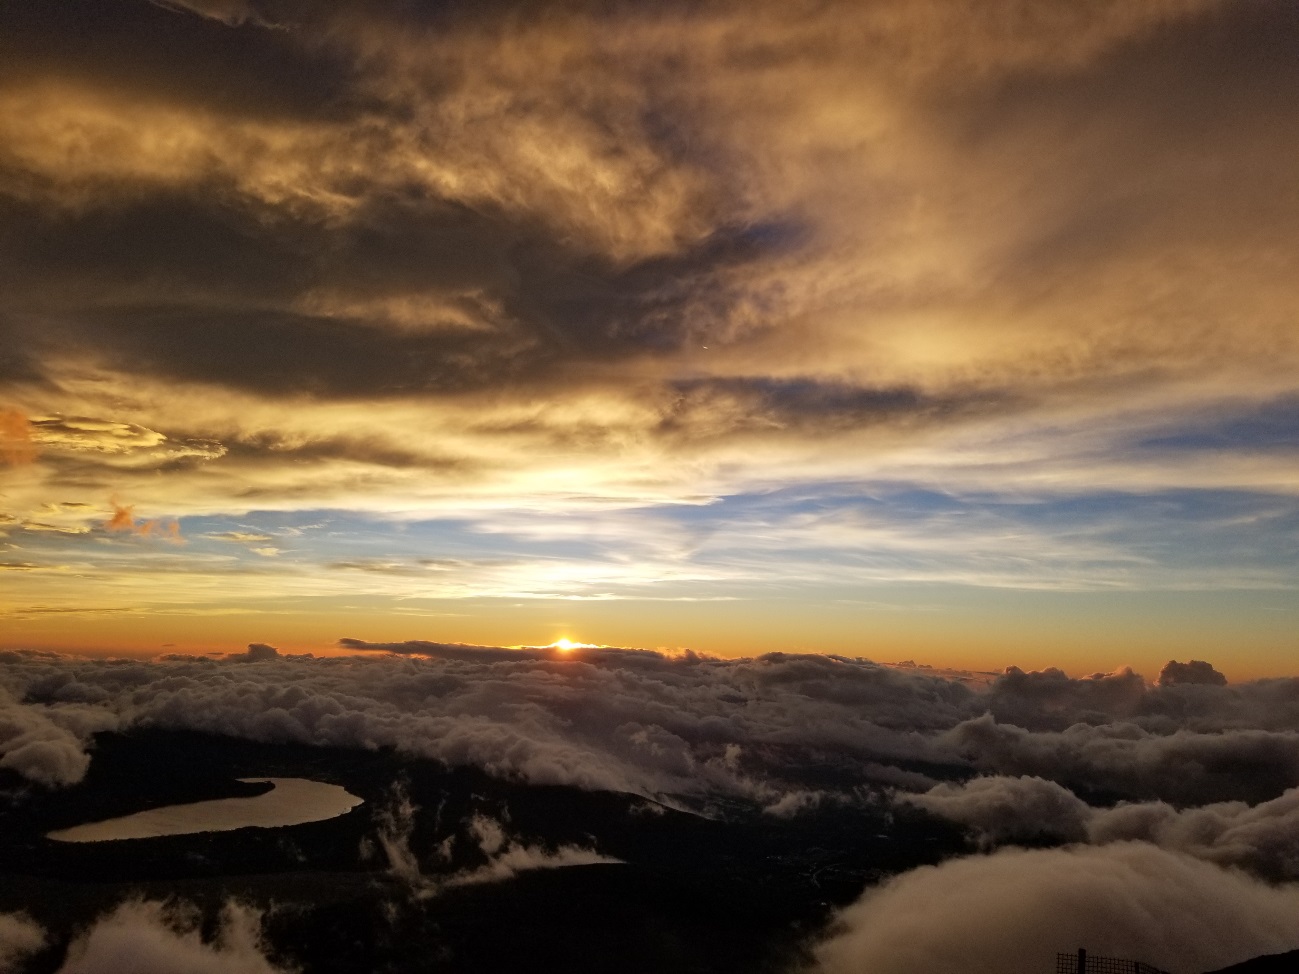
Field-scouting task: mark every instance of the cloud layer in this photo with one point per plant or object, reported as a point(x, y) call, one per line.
point(1012, 911)
point(780, 731)
point(1258, 838)
point(1179, 801)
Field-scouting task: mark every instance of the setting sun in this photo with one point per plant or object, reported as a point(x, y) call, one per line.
point(566, 645)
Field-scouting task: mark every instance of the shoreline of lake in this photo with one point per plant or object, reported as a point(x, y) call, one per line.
point(291, 801)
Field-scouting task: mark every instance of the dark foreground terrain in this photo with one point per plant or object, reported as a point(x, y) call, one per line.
point(716, 889)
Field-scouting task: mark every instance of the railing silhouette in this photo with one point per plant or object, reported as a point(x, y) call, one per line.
point(1084, 963)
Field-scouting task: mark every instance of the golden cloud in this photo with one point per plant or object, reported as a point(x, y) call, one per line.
point(16, 446)
point(123, 521)
point(970, 246)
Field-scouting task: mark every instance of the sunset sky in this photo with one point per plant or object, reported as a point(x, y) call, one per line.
point(958, 331)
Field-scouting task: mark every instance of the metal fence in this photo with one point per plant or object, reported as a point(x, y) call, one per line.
point(1085, 963)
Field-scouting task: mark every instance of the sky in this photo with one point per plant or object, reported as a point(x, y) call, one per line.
point(954, 331)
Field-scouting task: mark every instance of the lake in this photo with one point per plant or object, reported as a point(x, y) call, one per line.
point(293, 801)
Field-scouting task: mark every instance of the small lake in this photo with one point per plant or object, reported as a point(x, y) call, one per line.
point(292, 801)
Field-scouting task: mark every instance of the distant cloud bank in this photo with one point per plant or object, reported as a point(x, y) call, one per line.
point(1183, 794)
point(780, 730)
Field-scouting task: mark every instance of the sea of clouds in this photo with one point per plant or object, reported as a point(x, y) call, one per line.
point(781, 730)
point(1173, 803)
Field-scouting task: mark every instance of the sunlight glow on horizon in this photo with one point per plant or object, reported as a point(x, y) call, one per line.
point(566, 645)
point(856, 356)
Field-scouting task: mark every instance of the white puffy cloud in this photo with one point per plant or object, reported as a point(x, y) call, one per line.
point(1261, 838)
point(424, 872)
point(507, 856)
point(1011, 911)
point(48, 744)
point(147, 937)
point(1004, 809)
point(1125, 759)
point(19, 935)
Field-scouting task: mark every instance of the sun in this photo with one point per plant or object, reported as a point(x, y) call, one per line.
point(566, 645)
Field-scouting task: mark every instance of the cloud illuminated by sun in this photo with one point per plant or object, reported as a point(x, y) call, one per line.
point(566, 645)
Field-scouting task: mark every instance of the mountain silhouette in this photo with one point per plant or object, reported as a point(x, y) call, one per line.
point(1268, 964)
